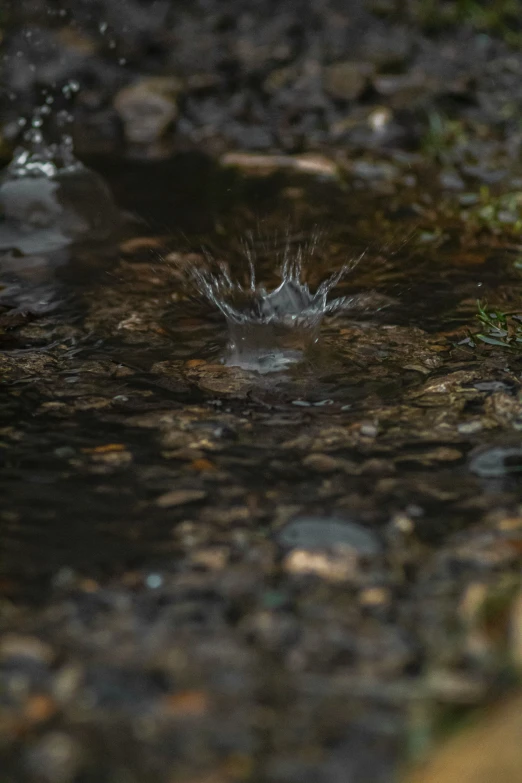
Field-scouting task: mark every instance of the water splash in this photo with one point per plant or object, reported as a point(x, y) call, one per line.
point(270, 330)
point(48, 198)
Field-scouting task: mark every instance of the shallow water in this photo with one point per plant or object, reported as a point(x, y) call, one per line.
point(130, 449)
point(120, 338)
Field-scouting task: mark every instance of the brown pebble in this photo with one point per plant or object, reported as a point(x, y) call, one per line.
point(202, 465)
point(40, 708)
point(13, 646)
point(139, 243)
point(321, 463)
point(178, 497)
point(187, 704)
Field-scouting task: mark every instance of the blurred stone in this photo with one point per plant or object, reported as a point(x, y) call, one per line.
point(313, 533)
point(147, 108)
point(180, 497)
point(322, 463)
point(55, 758)
point(28, 647)
point(347, 80)
point(497, 462)
point(336, 566)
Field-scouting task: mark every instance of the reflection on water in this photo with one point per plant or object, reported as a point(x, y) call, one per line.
point(49, 199)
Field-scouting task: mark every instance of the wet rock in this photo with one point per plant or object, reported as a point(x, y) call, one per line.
point(215, 378)
point(28, 648)
point(338, 566)
point(347, 80)
point(147, 108)
point(322, 463)
point(497, 462)
point(266, 164)
point(312, 533)
point(180, 497)
point(55, 758)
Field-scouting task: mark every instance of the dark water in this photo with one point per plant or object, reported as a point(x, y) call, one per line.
point(71, 516)
point(127, 446)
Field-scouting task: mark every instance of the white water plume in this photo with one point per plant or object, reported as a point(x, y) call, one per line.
point(269, 330)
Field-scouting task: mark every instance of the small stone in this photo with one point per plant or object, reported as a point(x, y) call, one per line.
point(312, 533)
point(147, 108)
point(40, 708)
point(180, 497)
point(186, 704)
point(333, 566)
point(29, 647)
point(64, 452)
point(321, 463)
point(137, 244)
point(497, 462)
point(470, 427)
point(213, 558)
point(55, 758)
point(154, 581)
point(374, 596)
point(346, 81)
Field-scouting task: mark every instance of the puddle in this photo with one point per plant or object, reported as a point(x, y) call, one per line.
point(134, 342)
point(150, 463)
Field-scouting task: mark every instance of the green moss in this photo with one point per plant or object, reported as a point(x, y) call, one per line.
point(442, 136)
point(497, 213)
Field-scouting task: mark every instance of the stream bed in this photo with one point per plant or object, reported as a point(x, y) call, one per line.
point(210, 575)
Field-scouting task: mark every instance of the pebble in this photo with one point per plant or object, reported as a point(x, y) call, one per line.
point(147, 108)
point(470, 427)
point(179, 497)
point(322, 463)
point(28, 647)
point(497, 462)
point(332, 566)
point(346, 80)
point(55, 758)
point(313, 533)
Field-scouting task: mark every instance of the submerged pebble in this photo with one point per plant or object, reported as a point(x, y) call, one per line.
point(322, 533)
point(497, 462)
